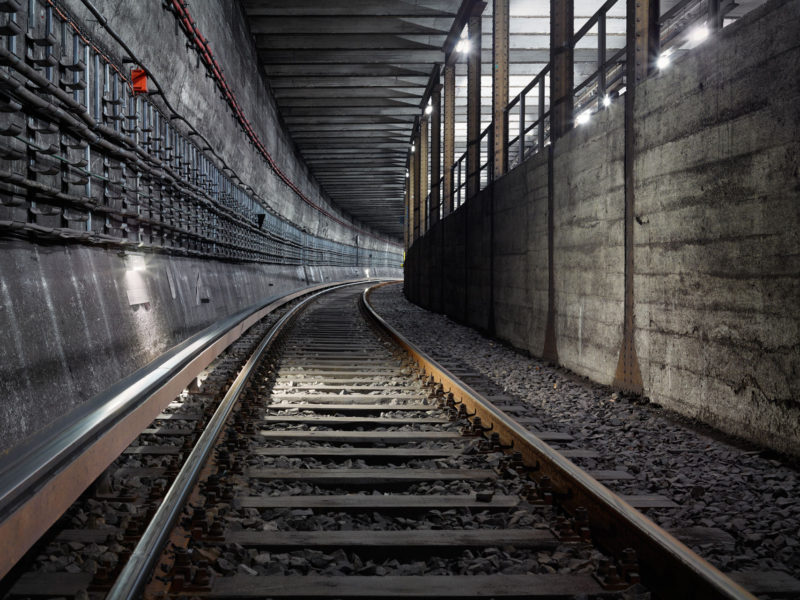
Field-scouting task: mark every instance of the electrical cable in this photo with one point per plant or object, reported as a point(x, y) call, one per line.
point(196, 38)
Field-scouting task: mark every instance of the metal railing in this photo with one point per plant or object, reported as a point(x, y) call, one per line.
point(527, 141)
point(593, 92)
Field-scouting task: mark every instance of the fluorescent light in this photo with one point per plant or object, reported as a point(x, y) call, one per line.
point(622, 90)
point(583, 118)
point(663, 61)
point(606, 100)
point(429, 108)
point(413, 147)
point(699, 34)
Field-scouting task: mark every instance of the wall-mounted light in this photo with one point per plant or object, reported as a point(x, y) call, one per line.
point(429, 108)
point(406, 173)
point(698, 35)
point(606, 100)
point(583, 118)
point(463, 46)
point(663, 61)
point(134, 263)
point(413, 147)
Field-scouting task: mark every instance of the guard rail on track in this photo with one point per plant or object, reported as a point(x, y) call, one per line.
point(43, 476)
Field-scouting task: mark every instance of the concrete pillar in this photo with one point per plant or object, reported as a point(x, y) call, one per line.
point(561, 59)
point(422, 151)
point(436, 153)
point(500, 83)
point(449, 135)
point(474, 103)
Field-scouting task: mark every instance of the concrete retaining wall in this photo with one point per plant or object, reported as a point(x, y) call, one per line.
point(716, 244)
point(75, 319)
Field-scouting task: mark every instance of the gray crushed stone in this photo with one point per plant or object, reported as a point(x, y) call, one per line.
point(746, 493)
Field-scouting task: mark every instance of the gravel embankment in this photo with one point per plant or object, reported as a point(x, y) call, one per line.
point(752, 498)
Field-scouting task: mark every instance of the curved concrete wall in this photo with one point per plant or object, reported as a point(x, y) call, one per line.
point(75, 319)
point(716, 270)
point(152, 32)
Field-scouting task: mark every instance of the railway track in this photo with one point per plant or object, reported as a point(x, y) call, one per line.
point(341, 462)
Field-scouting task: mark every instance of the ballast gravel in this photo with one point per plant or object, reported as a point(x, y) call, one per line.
point(745, 497)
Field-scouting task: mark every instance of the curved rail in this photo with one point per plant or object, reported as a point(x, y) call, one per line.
point(42, 477)
point(137, 570)
point(667, 567)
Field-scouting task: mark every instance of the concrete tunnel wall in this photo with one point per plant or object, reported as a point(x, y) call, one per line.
point(716, 242)
point(153, 34)
point(70, 328)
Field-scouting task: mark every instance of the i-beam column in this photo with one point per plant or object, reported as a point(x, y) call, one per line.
point(641, 51)
point(474, 102)
point(449, 134)
point(500, 84)
point(561, 57)
point(436, 151)
point(406, 215)
point(422, 152)
point(415, 184)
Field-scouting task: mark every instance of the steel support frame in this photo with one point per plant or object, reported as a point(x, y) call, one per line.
point(474, 103)
point(562, 61)
point(643, 38)
point(449, 135)
point(406, 214)
point(422, 152)
point(642, 49)
point(500, 25)
point(436, 154)
point(414, 183)
point(715, 15)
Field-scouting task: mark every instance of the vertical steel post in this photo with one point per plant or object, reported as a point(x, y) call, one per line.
point(561, 60)
point(642, 47)
point(406, 215)
point(416, 185)
point(500, 23)
point(521, 138)
point(601, 58)
point(436, 153)
point(643, 38)
point(449, 135)
point(714, 15)
point(474, 103)
point(422, 151)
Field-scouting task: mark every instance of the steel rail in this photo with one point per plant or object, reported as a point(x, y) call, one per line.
point(141, 563)
point(40, 478)
point(667, 567)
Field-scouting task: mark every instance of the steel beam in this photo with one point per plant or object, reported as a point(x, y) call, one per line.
point(474, 102)
point(449, 135)
point(561, 59)
point(644, 40)
point(422, 150)
point(500, 24)
point(406, 215)
point(415, 175)
point(436, 153)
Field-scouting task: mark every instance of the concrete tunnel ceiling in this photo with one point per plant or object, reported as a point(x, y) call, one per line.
point(350, 79)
